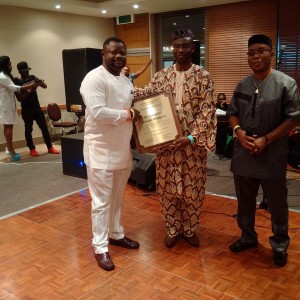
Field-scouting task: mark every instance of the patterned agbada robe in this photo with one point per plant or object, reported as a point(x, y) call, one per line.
point(181, 173)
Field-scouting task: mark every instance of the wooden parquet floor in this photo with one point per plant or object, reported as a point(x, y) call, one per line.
point(46, 253)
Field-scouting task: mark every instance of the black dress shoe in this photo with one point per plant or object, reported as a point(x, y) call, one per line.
point(125, 242)
point(170, 241)
point(193, 240)
point(279, 247)
point(241, 245)
point(104, 261)
point(280, 258)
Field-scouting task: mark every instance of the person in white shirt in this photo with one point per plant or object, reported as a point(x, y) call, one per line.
point(8, 107)
point(108, 94)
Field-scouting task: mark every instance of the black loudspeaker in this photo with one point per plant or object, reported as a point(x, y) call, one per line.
point(72, 155)
point(143, 169)
point(77, 63)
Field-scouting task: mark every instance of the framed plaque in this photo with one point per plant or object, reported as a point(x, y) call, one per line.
point(158, 125)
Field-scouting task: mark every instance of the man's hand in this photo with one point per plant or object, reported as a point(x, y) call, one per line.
point(41, 83)
point(246, 141)
point(259, 145)
point(137, 117)
point(180, 143)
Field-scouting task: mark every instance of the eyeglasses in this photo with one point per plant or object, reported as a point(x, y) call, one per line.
point(259, 51)
point(182, 46)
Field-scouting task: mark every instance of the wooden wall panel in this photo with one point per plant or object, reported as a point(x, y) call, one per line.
point(230, 27)
point(136, 63)
point(135, 35)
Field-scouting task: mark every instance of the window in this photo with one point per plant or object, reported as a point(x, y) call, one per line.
point(289, 37)
point(168, 22)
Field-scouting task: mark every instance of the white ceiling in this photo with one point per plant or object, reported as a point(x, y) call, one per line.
point(114, 7)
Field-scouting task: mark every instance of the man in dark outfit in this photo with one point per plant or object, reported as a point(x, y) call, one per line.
point(31, 109)
point(264, 108)
point(223, 129)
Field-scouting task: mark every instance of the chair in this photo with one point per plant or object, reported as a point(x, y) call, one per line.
point(54, 115)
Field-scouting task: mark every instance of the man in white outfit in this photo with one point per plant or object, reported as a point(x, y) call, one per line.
point(108, 95)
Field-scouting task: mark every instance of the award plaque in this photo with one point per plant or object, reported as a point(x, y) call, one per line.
point(158, 125)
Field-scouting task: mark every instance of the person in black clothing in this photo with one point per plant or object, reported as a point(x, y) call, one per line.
point(223, 129)
point(31, 109)
point(221, 104)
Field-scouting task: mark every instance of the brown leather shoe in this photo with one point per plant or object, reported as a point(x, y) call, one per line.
point(125, 242)
point(193, 240)
point(104, 261)
point(170, 241)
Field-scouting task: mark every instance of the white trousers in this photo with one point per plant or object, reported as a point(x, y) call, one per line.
point(107, 190)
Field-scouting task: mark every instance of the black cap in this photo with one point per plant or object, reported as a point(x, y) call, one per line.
point(260, 39)
point(23, 66)
point(181, 33)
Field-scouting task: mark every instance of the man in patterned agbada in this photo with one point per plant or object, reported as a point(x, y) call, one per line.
point(181, 166)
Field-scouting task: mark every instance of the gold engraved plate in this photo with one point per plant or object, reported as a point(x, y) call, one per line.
point(159, 124)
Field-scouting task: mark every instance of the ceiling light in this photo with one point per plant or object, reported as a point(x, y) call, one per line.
point(57, 6)
point(103, 11)
point(135, 6)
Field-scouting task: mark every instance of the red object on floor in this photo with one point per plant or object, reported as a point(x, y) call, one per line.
point(33, 152)
point(53, 151)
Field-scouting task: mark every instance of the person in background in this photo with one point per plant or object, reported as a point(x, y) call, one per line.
point(8, 107)
point(221, 102)
point(181, 167)
point(223, 129)
point(108, 94)
point(31, 109)
point(264, 108)
point(133, 76)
